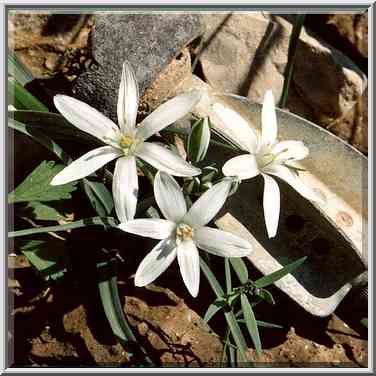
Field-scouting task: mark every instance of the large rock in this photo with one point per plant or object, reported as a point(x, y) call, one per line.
point(148, 41)
point(246, 54)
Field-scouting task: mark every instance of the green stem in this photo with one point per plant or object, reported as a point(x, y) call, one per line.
point(291, 57)
point(105, 221)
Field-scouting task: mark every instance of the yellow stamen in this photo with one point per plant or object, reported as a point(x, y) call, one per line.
point(184, 232)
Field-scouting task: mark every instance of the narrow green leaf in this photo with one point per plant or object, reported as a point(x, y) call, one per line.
point(263, 324)
point(94, 200)
point(297, 27)
point(266, 295)
point(229, 315)
point(49, 257)
point(198, 140)
point(36, 186)
point(102, 193)
point(108, 290)
point(105, 221)
point(214, 308)
point(240, 268)
point(18, 70)
point(21, 99)
point(39, 137)
point(228, 276)
point(250, 322)
point(273, 277)
point(53, 125)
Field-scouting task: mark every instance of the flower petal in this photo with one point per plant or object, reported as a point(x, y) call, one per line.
point(294, 150)
point(127, 100)
point(156, 262)
point(154, 228)
point(221, 243)
point(289, 177)
point(86, 118)
point(169, 197)
point(271, 203)
point(269, 127)
point(243, 166)
point(86, 165)
point(125, 188)
point(208, 205)
point(165, 160)
point(168, 113)
point(189, 263)
point(236, 128)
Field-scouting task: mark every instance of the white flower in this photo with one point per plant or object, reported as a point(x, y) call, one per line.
point(266, 156)
point(127, 142)
point(183, 231)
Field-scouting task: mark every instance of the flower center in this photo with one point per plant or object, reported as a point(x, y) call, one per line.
point(184, 232)
point(128, 144)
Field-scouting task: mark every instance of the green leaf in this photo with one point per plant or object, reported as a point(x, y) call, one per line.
point(229, 315)
point(54, 125)
point(250, 322)
point(240, 268)
point(266, 295)
point(293, 43)
point(21, 99)
point(228, 276)
point(39, 137)
point(51, 145)
point(44, 212)
point(198, 140)
point(213, 309)
point(102, 193)
point(36, 186)
point(18, 70)
point(113, 309)
point(263, 324)
point(104, 221)
point(49, 257)
point(273, 277)
point(364, 322)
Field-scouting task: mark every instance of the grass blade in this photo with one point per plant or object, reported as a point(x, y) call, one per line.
point(273, 277)
point(55, 125)
point(228, 276)
point(105, 221)
point(21, 98)
point(240, 268)
point(250, 322)
point(211, 311)
point(229, 315)
point(299, 21)
point(112, 306)
point(18, 70)
point(263, 324)
point(39, 137)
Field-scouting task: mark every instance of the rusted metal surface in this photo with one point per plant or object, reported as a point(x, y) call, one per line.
point(332, 235)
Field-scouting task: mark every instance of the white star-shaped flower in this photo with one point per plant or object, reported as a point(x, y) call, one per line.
point(183, 231)
point(126, 142)
point(266, 156)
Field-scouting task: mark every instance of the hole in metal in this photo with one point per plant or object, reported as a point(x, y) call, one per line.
point(294, 223)
point(321, 246)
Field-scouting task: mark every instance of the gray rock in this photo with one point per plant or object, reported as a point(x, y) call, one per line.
point(148, 41)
